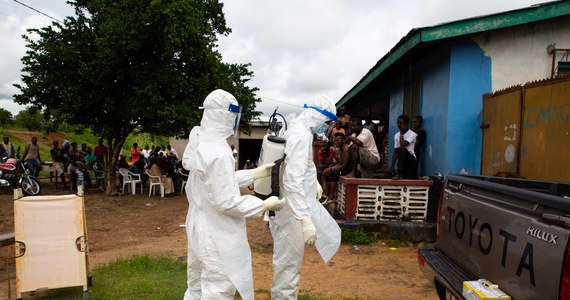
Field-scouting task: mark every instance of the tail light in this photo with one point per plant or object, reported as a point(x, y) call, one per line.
point(565, 281)
point(421, 260)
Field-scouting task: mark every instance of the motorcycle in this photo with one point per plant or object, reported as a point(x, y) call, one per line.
point(14, 174)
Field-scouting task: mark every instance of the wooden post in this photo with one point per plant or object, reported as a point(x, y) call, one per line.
point(350, 199)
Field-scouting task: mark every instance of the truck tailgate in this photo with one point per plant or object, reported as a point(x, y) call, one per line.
point(504, 237)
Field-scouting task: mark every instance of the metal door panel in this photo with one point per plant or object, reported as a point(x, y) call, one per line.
point(545, 146)
point(501, 133)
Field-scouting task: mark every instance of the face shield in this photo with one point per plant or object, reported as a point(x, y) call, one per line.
point(236, 109)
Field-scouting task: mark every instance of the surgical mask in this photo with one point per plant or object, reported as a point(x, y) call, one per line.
point(319, 129)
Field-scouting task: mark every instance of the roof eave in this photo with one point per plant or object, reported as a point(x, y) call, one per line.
point(459, 28)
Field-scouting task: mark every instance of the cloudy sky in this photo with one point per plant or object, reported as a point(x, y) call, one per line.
point(297, 48)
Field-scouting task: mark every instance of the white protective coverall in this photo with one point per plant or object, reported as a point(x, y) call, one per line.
point(219, 257)
point(299, 188)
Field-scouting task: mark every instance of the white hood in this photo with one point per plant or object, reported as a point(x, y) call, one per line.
point(311, 117)
point(217, 119)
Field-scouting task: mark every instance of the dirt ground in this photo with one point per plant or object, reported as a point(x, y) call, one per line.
point(121, 226)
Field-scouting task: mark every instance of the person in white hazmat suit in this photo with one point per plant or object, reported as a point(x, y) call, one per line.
point(303, 220)
point(219, 257)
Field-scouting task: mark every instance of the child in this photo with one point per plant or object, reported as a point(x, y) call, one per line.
point(328, 156)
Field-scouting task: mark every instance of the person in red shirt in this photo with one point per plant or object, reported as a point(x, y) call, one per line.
point(100, 150)
point(135, 153)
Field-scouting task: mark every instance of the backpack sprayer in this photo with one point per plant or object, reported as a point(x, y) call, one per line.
point(272, 151)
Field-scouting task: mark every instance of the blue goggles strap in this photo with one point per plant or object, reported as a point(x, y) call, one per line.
point(235, 108)
point(326, 113)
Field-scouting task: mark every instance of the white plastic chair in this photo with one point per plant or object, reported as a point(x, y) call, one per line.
point(154, 181)
point(127, 179)
point(136, 179)
point(100, 179)
point(184, 178)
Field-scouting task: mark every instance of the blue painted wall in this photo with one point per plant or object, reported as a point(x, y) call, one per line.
point(396, 109)
point(434, 111)
point(453, 84)
point(470, 78)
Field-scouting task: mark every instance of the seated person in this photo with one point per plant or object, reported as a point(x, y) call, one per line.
point(337, 128)
point(58, 162)
point(77, 174)
point(83, 149)
point(248, 165)
point(122, 163)
point(90, 158)
point(172, 154)
point(98, 166)
point(327, 155)
point(76, 153)
point(364, 154)
point(138, 168)
point(377, 138)
point(155, 170)
point(340, 168)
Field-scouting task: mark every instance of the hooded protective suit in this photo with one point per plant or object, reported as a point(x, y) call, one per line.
point(219, 257)
point(299, 188)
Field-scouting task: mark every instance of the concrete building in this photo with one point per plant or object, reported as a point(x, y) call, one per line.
point(442, 72)
point(247, 146)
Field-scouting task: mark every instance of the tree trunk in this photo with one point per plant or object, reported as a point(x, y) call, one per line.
point(111, 159)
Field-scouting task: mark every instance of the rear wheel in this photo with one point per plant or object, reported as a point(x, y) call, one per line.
point(31, 186)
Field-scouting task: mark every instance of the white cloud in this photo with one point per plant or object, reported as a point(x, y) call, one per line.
point(298, 49)
point(14, 20)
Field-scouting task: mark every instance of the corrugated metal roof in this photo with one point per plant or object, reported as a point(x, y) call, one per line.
point(417, 36)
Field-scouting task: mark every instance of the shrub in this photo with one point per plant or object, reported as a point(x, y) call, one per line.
point(357, 237)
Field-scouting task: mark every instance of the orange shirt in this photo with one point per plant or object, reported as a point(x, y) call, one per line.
point(335, 130)
point(135, 152)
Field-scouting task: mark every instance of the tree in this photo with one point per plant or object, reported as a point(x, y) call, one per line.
point(6, 118)
point(30, 118)
point(119, 64)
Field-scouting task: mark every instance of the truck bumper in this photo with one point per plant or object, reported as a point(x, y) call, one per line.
point(445, 274)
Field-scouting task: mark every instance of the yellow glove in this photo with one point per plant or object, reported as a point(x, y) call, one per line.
point(309, 232)
point(262, 171)
point(273, 203)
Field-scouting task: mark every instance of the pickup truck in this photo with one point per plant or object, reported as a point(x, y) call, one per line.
point(512, 232)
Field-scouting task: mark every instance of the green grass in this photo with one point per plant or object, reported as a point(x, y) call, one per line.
point(138, 277)
point(357, 237)
point(145, 277)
